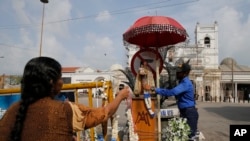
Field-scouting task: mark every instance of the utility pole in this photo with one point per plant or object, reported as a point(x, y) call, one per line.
point(41, 39)
point(233, 80)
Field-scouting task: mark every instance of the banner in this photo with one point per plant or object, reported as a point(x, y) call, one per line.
point(6, 101)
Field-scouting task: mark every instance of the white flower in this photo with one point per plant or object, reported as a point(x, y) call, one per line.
point(177, 129)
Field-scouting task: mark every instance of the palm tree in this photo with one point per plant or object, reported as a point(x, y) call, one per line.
point(130, 77)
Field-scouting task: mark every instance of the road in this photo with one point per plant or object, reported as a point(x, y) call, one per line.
point(214, 118)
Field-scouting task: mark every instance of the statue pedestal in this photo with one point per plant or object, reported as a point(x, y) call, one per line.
point(144, 125)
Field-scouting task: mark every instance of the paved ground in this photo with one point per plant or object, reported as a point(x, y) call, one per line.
point(214, 119)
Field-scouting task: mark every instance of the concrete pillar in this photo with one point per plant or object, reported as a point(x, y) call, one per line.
point(235, 92)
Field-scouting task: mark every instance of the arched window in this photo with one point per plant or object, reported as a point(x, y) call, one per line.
point(207, 41)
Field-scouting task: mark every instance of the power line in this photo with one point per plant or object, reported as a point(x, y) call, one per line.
point(125, 11)
point(115, 12)
point(12, 46)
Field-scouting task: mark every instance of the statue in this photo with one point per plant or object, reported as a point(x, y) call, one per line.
point(144, 77)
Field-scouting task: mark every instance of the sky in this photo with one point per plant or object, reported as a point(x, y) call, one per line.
point(88, 33)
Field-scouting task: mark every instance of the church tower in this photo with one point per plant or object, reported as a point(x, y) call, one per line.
point(207, 39)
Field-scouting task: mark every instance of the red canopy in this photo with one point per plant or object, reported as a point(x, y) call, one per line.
point(155, 31)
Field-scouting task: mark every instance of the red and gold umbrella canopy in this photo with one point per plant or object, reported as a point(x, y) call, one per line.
point(155, 31)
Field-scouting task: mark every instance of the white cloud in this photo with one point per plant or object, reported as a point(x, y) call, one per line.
point(56, 50)
point(25, 38)
point(233, 34)
point(19, 8)
point(103, 16)
point(99, 52)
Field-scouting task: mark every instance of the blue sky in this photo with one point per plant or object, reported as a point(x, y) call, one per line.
point(88, 33)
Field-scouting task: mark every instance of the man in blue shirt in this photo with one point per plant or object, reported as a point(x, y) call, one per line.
point(184, 93)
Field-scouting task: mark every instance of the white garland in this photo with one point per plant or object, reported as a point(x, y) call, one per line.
point(104, 97)
point(148, 102)
point(114, 133)
point(132, 135)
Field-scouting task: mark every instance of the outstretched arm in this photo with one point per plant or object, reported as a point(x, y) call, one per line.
point(112, 107)
point(171, 92)
point(85, 117)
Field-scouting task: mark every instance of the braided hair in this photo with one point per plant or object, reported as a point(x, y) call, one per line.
point(39, 75)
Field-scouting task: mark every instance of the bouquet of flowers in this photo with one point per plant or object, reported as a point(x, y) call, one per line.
point(177, 129)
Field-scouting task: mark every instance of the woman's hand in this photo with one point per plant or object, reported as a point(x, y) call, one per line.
point(124, 93)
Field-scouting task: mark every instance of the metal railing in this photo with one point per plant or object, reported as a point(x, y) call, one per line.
point(106, 85)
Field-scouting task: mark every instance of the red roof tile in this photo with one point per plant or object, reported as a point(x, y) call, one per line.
point(69, 69)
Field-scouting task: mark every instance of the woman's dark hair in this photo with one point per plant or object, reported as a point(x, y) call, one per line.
point(39, 75)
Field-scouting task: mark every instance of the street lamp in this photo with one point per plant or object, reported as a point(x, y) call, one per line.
point(41, 39)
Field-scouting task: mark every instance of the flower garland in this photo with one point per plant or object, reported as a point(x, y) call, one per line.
point(114, 132)
point(104, 97)
point(148, 102)
point(132, 135)
point(177, 129)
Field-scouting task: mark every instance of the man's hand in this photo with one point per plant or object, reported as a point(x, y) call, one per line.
point(152, 90)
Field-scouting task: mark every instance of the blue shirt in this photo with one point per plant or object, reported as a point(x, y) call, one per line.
point(184, 93)
point(60, 97)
